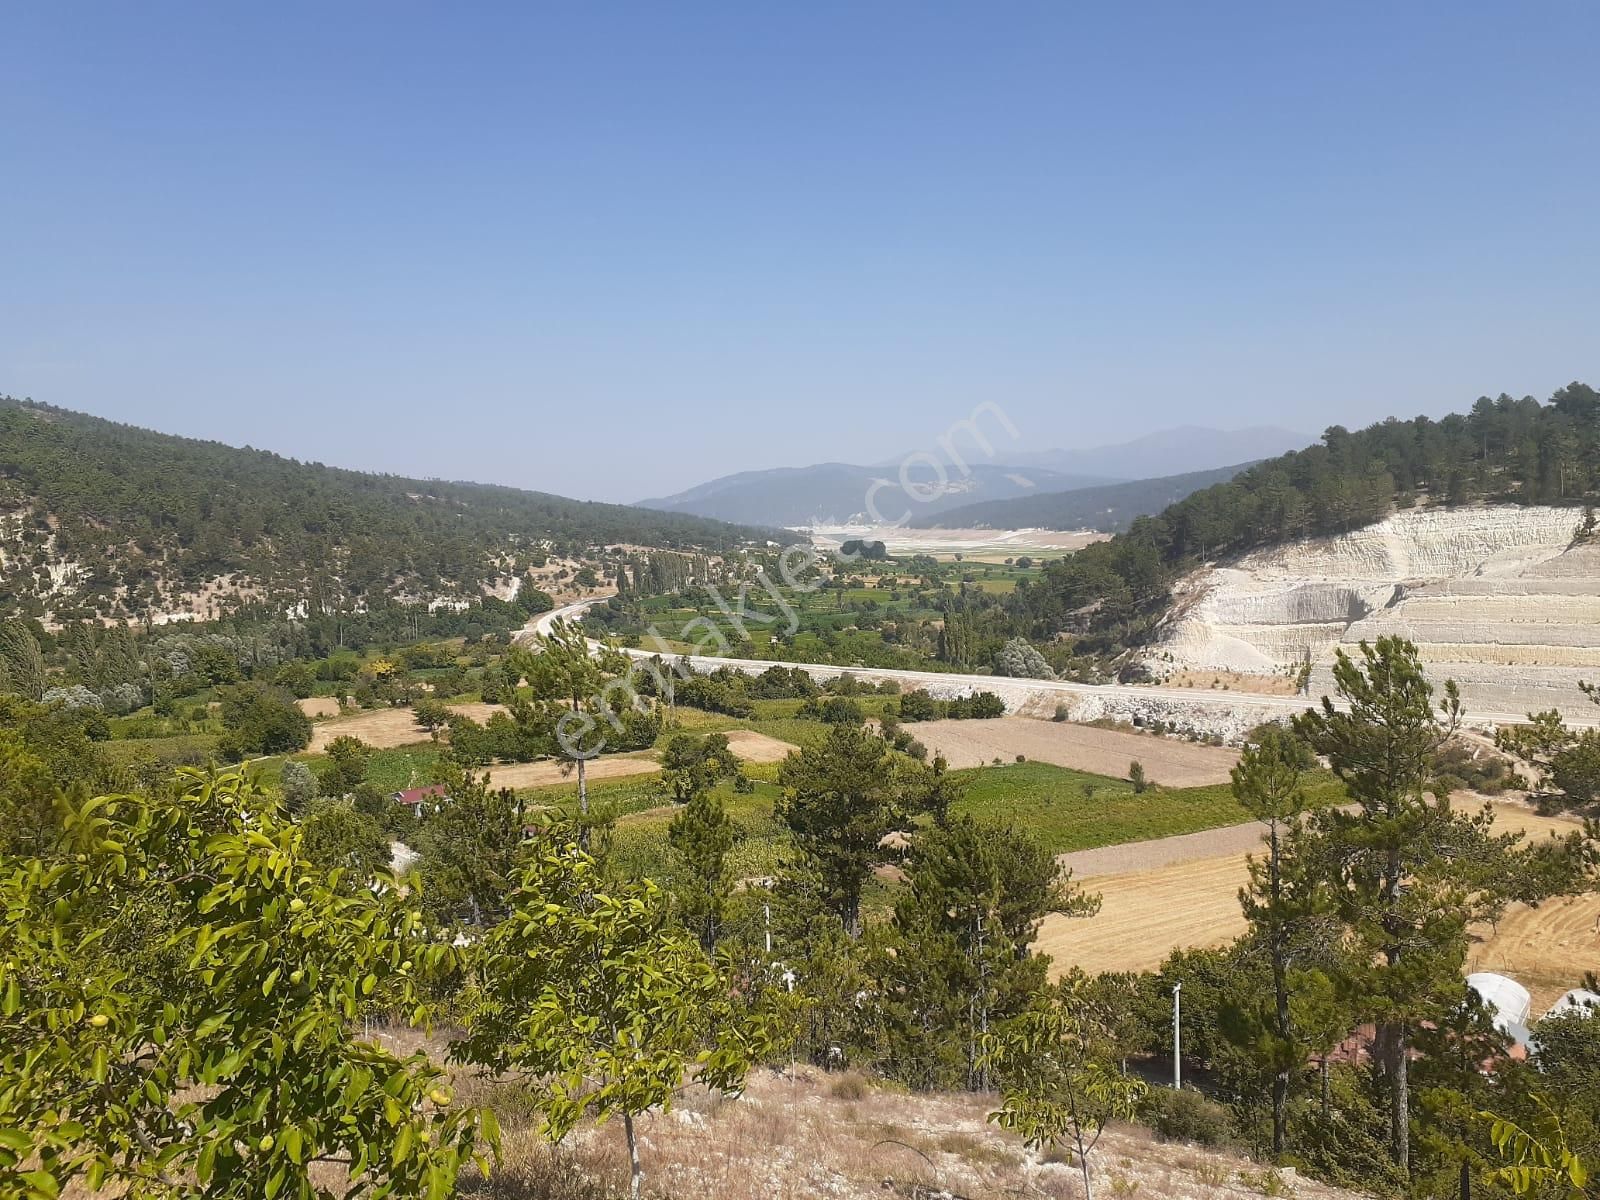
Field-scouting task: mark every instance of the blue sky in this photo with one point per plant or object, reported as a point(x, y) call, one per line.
point(613, 250)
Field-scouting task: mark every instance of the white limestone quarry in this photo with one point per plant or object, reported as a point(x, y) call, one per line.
point(1502, 599)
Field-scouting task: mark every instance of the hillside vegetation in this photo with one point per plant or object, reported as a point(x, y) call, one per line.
point(102, 518)
point(1504, 450)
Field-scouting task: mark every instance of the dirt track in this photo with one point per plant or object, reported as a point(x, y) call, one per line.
point(1084, 747)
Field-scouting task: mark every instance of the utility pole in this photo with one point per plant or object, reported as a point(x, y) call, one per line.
point(767, 910)
point(1177, 1036)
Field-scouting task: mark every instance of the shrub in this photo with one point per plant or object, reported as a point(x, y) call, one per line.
point(1186, 1116)
point(74, 697)
point(849, 1086)
point(1063, 711)
point(260, 719)
point(298, 784)
point(1020, 659)
point(840, 710)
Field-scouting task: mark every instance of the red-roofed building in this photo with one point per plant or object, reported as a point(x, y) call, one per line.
point(419, 799)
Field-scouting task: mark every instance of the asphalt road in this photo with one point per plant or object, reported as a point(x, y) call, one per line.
point(1198, 698)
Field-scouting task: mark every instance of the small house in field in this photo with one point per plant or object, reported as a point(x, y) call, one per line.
point(422, 800)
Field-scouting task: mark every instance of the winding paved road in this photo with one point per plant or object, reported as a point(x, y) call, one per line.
point(1017, 692)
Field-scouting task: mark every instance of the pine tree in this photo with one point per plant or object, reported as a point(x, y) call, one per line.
point(1407, 874)
point(574, 683)
point(956, 961)
point(1283, 898)
point(702, 834)
point(840, 800)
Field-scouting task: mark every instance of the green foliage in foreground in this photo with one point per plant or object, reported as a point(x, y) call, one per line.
point(178, 1004)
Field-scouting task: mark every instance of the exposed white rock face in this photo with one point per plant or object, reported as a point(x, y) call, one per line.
point(1498, 599)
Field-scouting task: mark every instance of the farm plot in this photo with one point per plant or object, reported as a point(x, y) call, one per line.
point(1145, 915)
point(1166, 761)
point(385, 728)
point(745, 744)
point(1547, 949)
point(1158, 905)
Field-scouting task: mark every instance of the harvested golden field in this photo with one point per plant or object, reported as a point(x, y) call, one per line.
point(385, 728)
point(551, 771)
point(1546, 949)
point(1166, 761)
point(1146, 914)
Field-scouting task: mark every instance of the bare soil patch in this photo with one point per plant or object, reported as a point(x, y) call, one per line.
point(745, 743)
point(1129, 857)
point(319, 706)
point(1083, 747)
point(758, 747)
point(1232, 681)
point(386, 728)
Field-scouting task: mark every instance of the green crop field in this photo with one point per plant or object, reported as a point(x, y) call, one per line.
point(1072, 810)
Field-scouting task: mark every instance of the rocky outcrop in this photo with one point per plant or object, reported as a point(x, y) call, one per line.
point(1497, 598)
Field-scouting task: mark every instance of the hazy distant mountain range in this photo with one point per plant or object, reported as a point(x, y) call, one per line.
point(1177, 451)
point(1110, 507)
point(836, 493)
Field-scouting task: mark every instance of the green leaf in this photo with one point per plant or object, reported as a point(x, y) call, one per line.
point(402, 1145)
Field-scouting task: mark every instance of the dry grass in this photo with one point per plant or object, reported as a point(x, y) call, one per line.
point(793, 1136)
point(1166, 761)
point(319, 706)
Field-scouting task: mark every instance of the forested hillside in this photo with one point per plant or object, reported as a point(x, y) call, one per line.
point(98, 518)
point(1504, 450)
point(1109, 508)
